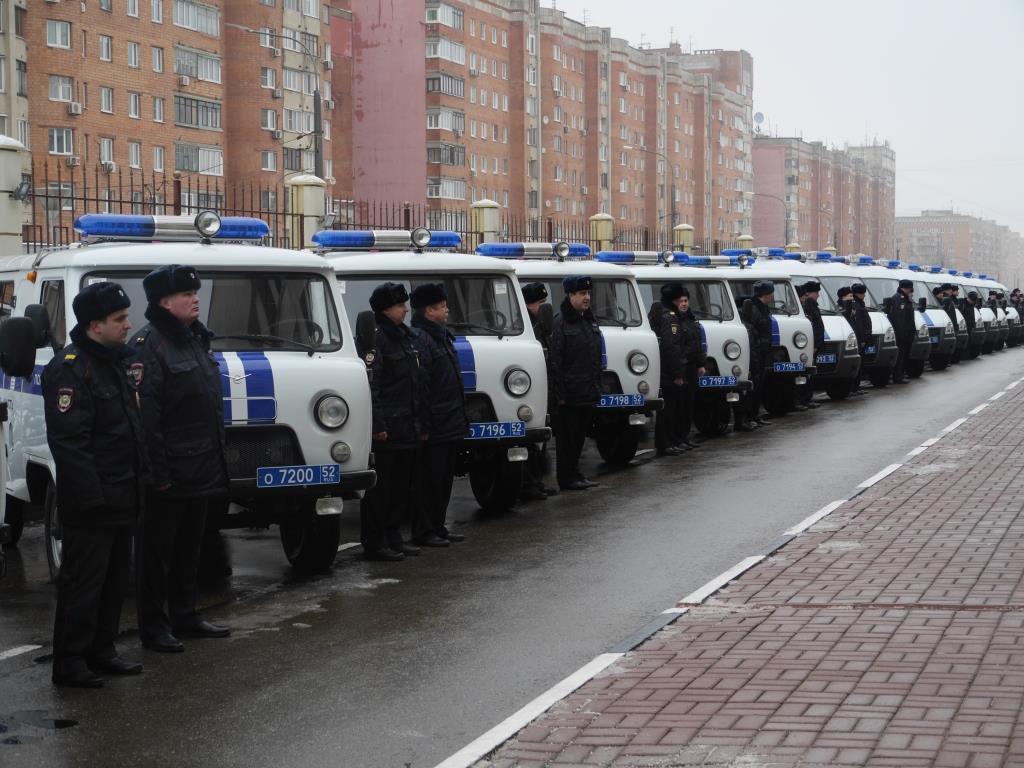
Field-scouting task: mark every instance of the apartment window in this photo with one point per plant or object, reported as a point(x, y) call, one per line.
point(297, 121)
point(268, 77)
point(292, 159)
point(299, 81)
point(3, 74)
point(325, 126)
point(197, 64)
point(133, 8)
point(448, 16)
point(106, 48)
point(448, 50)
point(158, 158)
point(440, 82)
point(268, 161)
point(133, 55)
point(58, 34)
point(207, 161)
point(267, 37)
point(105, 5)
point(197, 17)
point(268, 119)
point(135, 154)
point(268, 200)
point(19, 21)
point(60, 141)
point(504, 39)
point(158, 59)
point(158, 109)
point(556, 52)
point(106, 150)
point(134, 104)
point(197, 113)
point(106, 99)
point(157, 11)
point(22, 73)
point(60, 88)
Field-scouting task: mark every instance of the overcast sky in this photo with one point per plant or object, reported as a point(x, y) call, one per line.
point(942, 81)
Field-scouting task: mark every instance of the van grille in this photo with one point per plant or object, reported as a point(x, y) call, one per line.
point(249, 448)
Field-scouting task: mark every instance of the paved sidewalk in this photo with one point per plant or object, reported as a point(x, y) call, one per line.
point(890, 633)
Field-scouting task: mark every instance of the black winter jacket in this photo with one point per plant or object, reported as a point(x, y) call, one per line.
point(182, 397)
point(813, 312)
point(575, 356)
point(665, 322)
point(94, 430)
point(758, 318)
point(903, 316)
point(861, 322)
point(689, 327)
point(444, 401)
point(540, 331)
point(967, 310)
point(396, 387)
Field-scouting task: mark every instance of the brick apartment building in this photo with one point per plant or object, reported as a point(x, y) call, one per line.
point(805, 192)
point(962, 242)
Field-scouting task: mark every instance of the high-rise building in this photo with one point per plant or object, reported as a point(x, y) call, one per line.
point(14, 72)
point(961, 242)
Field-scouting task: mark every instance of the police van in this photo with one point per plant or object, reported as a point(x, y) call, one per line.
point(723, 335)
point(17, 358)
point(986, 329)
point(838, 363)
point(987, 284)
point(882, 280)
point(941, 332)
point(296, 398)
point(503, 370)
point(630, 363)
point(975, 337)
point(934, 277)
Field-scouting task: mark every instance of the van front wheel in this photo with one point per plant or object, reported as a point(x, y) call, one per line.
point(53, 532)
point(310, 541)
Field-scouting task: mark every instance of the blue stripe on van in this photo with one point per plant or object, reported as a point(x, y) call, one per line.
point(604, 355)
point(259, 386)
point(32, 385)
point(776, 335)
point(703, 339)
point(467, 363)
point(225, 385)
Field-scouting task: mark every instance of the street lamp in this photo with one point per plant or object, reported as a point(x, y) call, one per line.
point(671, 207)
point(318, 126)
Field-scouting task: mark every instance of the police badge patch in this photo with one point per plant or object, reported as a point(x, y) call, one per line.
point(64, 397)
point(136, 371)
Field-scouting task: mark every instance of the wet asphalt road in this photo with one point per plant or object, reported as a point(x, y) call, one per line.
point(402, 664)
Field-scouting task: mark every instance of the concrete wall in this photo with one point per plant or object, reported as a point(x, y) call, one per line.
point(768, 218)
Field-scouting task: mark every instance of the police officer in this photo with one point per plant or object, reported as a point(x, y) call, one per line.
point(396, 393)
point(757, 315)
point(575, 361)
point(903, 316)
point(444, 424)
point(856, 313)
point(665, 321)
point(693, 347)
point(967, 310)
point(810, 291)
point(94, 431)
point(183, 413)
point(535, 294)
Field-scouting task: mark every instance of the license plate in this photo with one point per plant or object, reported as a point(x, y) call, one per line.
point(621, 401)
point(492, 430)
point(935, 339)
point(870, 350)
point(825, 359)
point(788, 367)
point(303, 474)
point(716, 381)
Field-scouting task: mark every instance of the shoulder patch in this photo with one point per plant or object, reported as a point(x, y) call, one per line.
point(65, 398)
point(369, 357)
point(136, 372)
point(69, 358)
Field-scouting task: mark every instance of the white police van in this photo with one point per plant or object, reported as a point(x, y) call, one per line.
point(986, 329)
point(296, 398)
point(17, 358)
point(987, 284)
point(630, 363)
point(503, 370)
point(975, 338)
point(941, 331)
point(723, 335)
point(882, 280)
point(934, 277)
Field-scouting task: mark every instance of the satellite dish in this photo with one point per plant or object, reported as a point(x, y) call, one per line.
point(758, 117)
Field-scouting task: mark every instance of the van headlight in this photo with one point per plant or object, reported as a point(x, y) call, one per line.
point(851, 342)
point(800, 339)
point(890, 335)
point(331, 412)
point(949, 329)
point(638, 363)
point(736, 370)
point(922, 332)
point(732, 350)
point(525, 413)
point(341, 452)
point(517, 382)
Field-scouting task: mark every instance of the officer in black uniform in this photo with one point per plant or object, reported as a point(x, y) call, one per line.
point(665, 321)
point(183, 413)
point(810, 291)
point(903, 316)
point(94, 431)
point(856, 314)
point(693, 349)
point(444, 424)
point(575, 361)
point(535, 294)
point(966, 309)
point(756, 314)
point(396, 393)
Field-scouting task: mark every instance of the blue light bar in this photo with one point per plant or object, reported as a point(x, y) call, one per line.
point(952, 272)
point(890, 263)
point(115, 226)
point(242, 228)
point(775, 253)
point(968, 274)
point(983, 276)
point(391, 239)
point(822, 256)
point(737, 252)
point(935, 269)
point(692, 260)
point(616, 257)
point(865, 261)
point(914, 268)
point(840, 259)
point(536, 250)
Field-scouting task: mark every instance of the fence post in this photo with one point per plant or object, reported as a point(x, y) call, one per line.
point(308, 208)
point(484, 224)
point(10, 209)
point(793, 247)
point(682, 237)
point(602, 232)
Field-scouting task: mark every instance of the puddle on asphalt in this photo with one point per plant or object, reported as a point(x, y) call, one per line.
point(30, 726)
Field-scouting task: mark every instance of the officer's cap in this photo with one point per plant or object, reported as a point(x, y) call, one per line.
point(575, 283)
point(763, 288)
point(169, 280)
point(907, 284)
point(946, 287)
point(936, 290)
point(427, 295)
point(811, 286)
point(844, 291)
point(972, 295)
point(859, 288)
point(673, 291)
point(387, 295)
point(98, 301)
point(534, 292)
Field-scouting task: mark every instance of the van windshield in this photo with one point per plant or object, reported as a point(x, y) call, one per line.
point(826, 298)
point(881, 288)
point(833, 283)
point(709, 299)
point(478, 305)
point(252, 310)
point(785, 297)
point(612, 300)
point(925, 290)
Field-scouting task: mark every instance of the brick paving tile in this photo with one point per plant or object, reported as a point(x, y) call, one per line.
point(891, 633)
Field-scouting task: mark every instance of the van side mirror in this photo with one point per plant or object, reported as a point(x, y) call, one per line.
point(922, 304)
point(546, 317)
point(38, 315)
point(366, 332)
point(18, 346)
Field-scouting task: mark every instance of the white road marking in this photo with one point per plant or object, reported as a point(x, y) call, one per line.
point(917, 451)
point(702, 594)
point(508, 727)
point(880, 476)
point(929, 442)
point(17, 651)
point(1013, 384)
point(808, 522)
point(675, 609)
point(349, 545)
point(954, 425)
point(978, 409)
point(997, 395)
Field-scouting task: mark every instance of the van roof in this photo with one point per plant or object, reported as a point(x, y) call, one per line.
point(405, 262)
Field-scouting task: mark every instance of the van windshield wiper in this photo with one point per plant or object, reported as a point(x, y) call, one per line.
point(268, 339)
point(474, 327)
point(700, 313)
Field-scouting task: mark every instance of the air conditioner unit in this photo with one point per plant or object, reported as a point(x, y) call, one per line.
point(328, 63)
point(474, 72)
point(109, 166)
point(278, 93)
point(73, 160)
point(275, 52)
point(583, 190)
point(184, 81)
point(278, 134)
point(329, 103)
point(74, 108)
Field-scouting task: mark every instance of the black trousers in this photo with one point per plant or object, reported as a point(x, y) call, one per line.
point(754, 397)
point(90, 590)
point(435, 473)
point(172, 535)
point(805, 392)
point(899, 370)
point(570, 435)
point(384, 507)
point(535, 466)
point(684, 420)
point(667, 420)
